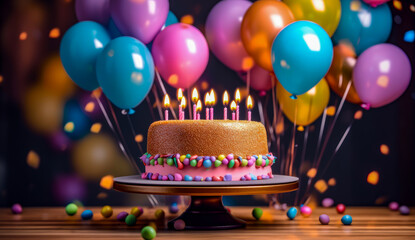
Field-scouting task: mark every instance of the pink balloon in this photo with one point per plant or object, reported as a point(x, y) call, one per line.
point(181, 54)
point(141, 19)
point(381, 74)
point(223, 32)
point(93, 10)
point(375, 3)
point(260, 79)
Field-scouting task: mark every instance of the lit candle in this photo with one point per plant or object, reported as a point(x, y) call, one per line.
point(212, 102)
point(179, 98)
point(207, 102)
point(249, 105)
point(233, 108)
point(166, 106)
point(195, 97)
point(225, 103)
point(198, 109)
point(237, 100)
point(183, 104)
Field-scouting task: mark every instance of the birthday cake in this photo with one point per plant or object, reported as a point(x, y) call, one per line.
point(207, 150)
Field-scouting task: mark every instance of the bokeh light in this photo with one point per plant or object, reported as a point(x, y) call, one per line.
point(107, 181)
point(33, 159)
point(373, 177)
point(321, 186)
point(187, 19)
point(384, 149)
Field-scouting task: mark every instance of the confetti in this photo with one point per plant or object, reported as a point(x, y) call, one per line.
point(96, 93)
point(173, 79)
point(384, 149)
point(23, 36)
point(409, 36)
point(332, 182)
point(54, 33)
point(312, 172)
point(33, 159)
point(139, 138)
point(89, 107)
point(331, 110)
point(96, 127)
point(358, 114)
point(300, 128)
point(321, 186)
point(187, 19)
point(69, 127)
point(373, 178)
point(204, 85)
point(397, 4)
point(107, 181)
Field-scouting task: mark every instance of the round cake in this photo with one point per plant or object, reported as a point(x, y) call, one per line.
point(207, 150)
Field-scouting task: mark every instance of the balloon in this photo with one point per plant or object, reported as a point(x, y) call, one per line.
point(261, 23)
point(382, 74)
point(341, 72)
point(113, 30)
point(67, 188)
point(76, 124)
point(325, 13)
point(301, 56)
point(140, 19)
point(223, 33)
point(79, 49)
point(180, 54)
point(93, 10)
point(375, 3)
point(307, 107)
point(94, 156)
point(171, 19)
point(260, 79)
point(125, 72)
point(363, 26)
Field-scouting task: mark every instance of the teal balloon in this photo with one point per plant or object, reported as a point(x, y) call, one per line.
point(125, 71)
point(73, 113)
point(79, 49)
point(363, 26)
point(301, 55)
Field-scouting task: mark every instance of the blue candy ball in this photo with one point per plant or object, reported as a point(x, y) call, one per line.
point(87, 215)
point(207, 163)
point(347, 220)
point(188, 178)
point(291, 213)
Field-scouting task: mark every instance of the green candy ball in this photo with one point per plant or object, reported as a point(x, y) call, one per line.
point(231, 163)
point(71, 209)
point(170, 161)
point(218, 163)
point(244, 162)
point(148, 233)
point(257, 213)
point(258, 162)
point(130, 220)
point(193, 163)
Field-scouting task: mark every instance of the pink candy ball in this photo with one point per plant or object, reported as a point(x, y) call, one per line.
point(305, 211)
point(394, 206)
point(179, 225)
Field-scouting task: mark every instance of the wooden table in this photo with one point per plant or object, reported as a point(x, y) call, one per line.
point(53, 223)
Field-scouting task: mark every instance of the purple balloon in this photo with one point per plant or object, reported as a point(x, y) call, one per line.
point(140, 19)
point(67, 188)
point(93, 10)
point(260, 79)
point(381, 75)
point(223, 32)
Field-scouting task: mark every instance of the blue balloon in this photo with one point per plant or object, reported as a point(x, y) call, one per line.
point(301, 55)
point(363, 26)
point(79, 49)
point(76, 124)
point(125, 71)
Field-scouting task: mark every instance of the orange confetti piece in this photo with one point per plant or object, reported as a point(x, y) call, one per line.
point(90, 106)
point(139, 138)
point(358, 114)
point(187, 19)
point(204, 85)
point(332, 182)
point(23, 36)
point(312, 173)
point(373, 178)
point(96, 93)
point(331, 111)
point(300, 128)
point(247, 63)
point(397, 4)
point(54, 33)
point(384, 149)
point(321, 186)
point(33, 159)
point(96, 128)
point(280, 127)
point(69, 127)
point(107, 181)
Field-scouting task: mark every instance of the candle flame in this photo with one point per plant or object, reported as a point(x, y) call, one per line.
point(183, 103)
point(166, 101)
point(249, 103)
point(233, 106)
point(207, 99)
point(225, 98)
point(195, 95)
point(199, 106)
point(237, 96)
point(179, 94)
point(212, 96)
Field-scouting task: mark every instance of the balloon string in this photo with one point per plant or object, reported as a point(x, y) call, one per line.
point(303, 152)
point(320, 135)
point(189, 104)
point(293, 140)
point(156, 96)
point(163, 89)
point(150, 108)
point(274, 105)
point(261, 111)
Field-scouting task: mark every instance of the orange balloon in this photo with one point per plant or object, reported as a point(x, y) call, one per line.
point(261, 24)
point(340, 73)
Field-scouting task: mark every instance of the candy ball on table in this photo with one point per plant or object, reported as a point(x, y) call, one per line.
point(291, 213)
point(404, 210)
point(17, 208)
point(179, 225)
point(87, 215)
point(257, 213)
point(159, 214)
point(106, 211)
point(121, 216)
point(137, 211)
point(71, 209)
point(130, 220)
point(327, 202)
point(324, 219)
point(173, 208)
point(394, 206)
point(340, 208)
point(305, 211)
point(347, 220)
point(148, 233)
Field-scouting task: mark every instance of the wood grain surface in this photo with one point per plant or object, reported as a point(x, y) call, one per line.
point(53, 223)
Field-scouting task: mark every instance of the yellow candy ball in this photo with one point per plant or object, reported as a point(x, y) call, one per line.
point(106, 211)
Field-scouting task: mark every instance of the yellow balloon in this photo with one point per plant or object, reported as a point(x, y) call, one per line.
point(325, 13)
point(307, 107)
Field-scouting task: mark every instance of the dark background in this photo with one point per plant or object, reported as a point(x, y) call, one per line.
point(360, 154)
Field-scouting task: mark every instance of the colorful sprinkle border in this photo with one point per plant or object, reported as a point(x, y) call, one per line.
point(180, 177)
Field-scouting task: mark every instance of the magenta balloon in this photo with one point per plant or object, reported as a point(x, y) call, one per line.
point(260, 79)
point(223, 32)
point(381, 74)
point(375, 3)
point(181, 54)
point(141, 19)
point(93, 10)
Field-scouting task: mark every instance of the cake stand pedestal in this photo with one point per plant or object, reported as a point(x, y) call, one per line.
point(206, 210)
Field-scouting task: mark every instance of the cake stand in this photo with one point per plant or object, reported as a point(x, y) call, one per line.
point(206, 210)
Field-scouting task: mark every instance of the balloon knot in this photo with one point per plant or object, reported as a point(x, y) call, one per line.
point(365, 106)
point(293, 97)
point(262, 93)
point(129, 111)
